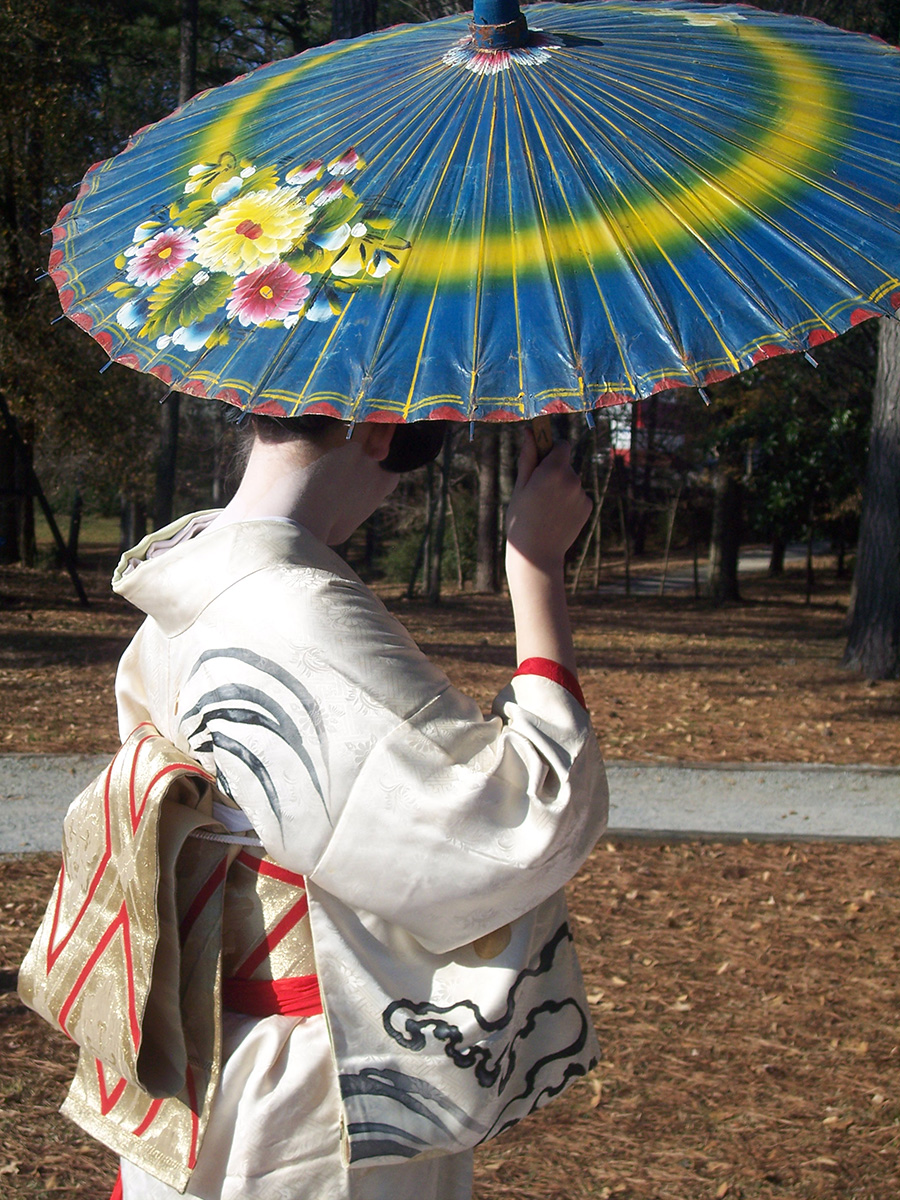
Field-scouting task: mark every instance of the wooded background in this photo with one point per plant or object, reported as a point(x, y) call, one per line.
point(783, 453)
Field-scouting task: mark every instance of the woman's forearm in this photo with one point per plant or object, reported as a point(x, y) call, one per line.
point(540, 611)
point(547, 509)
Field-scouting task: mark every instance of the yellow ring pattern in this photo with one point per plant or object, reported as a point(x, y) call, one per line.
point(806, 96)
point(804, 93)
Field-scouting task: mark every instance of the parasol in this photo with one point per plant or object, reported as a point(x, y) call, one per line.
point(493, 219)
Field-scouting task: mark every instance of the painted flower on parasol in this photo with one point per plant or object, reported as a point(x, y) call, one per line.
point(494, 218)
point(247, 249)
point(159, 255)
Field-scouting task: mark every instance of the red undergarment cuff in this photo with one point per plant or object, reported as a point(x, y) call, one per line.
point(555, 671)
point(298, 997)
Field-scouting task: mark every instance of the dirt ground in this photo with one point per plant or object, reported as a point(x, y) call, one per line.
point(745, 995)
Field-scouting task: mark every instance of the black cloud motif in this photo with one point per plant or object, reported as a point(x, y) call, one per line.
point(493, 1064)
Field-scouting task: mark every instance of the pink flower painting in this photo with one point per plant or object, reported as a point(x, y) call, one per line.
point(161, 256)
point(270, 293)
point(233, 258)
point(346, 163)
point(303, 174)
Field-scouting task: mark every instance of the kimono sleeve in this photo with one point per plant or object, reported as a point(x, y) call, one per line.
point(361, 767)
point(456, 825)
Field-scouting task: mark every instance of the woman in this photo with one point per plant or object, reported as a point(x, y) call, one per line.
point(430, 842)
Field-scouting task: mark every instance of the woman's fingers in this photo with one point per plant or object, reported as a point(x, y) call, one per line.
point(549, 505)
point(528, 458)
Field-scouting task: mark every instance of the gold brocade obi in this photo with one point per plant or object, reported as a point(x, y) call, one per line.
point(145, 923)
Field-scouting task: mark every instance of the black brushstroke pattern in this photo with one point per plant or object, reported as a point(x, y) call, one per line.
point(274, 718)
point(230, 703)
point(404, 1089)
point(488, 1069)
point(573, 1071)
point(269, 667)
point(377, 1147)
point(409, 1093)
point(382, 1127)
point(230, 745)
point(281, 725)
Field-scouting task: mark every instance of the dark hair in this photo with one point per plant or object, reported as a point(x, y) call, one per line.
point(313, 427)
point(412, 445)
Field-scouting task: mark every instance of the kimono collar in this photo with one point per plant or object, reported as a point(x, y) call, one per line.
point(176, 572)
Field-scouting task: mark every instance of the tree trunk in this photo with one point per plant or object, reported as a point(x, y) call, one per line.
point(440, 522)
point(840, 568)
point(725, 541)
point(9, 500)
point(454, 530)
point(166, 465)
point(873, 642)
point(295, 21)
point(695, 552)
point(776, 558)
point(625, 546)
point(187, 51)
point(24, 482)
point(644, 487)
point(595, 466)
point(75, 527)
point(631, 505)
point(508, 460)
point(17, 533)
point(422, 551)
point(669, 531)
point(593, 533)
point(351, 18)
point(487, 453)
point(622, 486)
point(132, 522)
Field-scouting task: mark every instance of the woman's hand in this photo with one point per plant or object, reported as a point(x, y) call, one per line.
point(547, 511)
point(548, 507)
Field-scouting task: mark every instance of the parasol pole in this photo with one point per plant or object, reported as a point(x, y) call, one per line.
point(498, 25)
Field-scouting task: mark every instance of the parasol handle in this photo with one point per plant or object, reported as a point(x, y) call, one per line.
point(543, 435)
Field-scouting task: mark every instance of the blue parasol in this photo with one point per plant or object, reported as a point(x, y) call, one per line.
point(493, 219)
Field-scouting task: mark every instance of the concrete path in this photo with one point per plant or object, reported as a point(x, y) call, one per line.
point(645, 580)
point(770, 800)
point(724, 801)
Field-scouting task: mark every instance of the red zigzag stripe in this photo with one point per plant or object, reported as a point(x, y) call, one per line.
point(122, 921)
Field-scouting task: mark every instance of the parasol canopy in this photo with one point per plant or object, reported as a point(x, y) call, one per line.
point(488, 219)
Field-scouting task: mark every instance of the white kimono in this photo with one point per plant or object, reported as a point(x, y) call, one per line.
point(420, 827)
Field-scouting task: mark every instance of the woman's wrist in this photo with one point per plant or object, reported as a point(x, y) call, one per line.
point(538, 596)
point(525, 569)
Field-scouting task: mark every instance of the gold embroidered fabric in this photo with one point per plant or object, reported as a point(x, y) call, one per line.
point(128, 960)
point(266, 932)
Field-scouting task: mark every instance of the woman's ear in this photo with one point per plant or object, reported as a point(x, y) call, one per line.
point(376, 438)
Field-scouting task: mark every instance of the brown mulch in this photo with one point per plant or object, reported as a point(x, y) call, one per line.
point(745, 994)
point(665, 679)
point(746, 1000)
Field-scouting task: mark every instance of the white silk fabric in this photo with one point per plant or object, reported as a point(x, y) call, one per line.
point(421, 826)
point(274, 1133)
